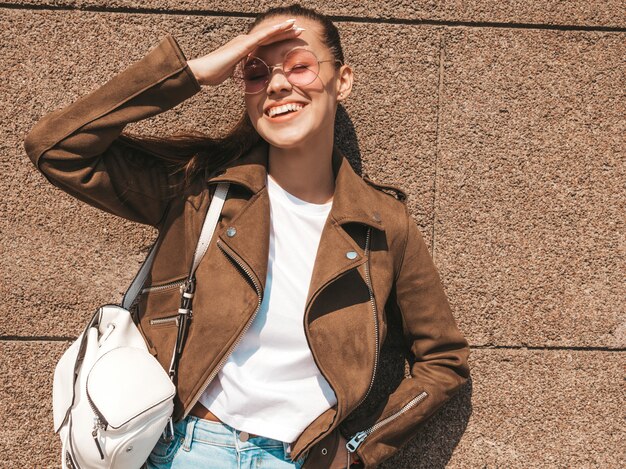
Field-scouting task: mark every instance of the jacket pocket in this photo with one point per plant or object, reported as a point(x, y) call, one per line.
point(169, 320)
point(359, 437)
point(158, 306)
point(166, 286)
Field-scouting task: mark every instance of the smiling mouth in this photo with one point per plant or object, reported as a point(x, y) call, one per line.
point(284, 114)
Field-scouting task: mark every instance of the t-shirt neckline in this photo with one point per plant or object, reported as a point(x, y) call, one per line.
point(294, 202)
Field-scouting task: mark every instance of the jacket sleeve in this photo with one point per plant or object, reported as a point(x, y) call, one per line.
point(441, 355)
point(79, 148)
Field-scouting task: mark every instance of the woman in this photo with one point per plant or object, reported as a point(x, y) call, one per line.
point(307, 262)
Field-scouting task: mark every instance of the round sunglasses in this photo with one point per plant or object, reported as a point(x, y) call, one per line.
point(300, 66)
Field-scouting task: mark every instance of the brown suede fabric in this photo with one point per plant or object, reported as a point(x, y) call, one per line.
point(78, 150)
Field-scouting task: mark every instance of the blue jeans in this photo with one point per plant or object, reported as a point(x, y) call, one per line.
point(200, 443)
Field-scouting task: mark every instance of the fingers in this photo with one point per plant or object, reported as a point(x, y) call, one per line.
point(217, 66)
point(277, 32)
point(284, 24)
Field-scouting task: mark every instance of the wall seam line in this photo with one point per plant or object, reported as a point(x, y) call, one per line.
point(338, 18)
point(437, 139)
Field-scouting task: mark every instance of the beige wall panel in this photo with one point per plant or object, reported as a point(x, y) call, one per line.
point(609, 13)
point(65, 258)
point(27, 438)
point(514, 160)
point(543, 409)
point(529, 408)
point(529, 230)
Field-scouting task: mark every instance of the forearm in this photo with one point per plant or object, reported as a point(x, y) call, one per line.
point(78, 148)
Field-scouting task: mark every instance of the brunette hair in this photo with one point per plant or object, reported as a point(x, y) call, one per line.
point(193, 152)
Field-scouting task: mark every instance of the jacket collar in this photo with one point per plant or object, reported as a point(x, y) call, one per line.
point(353, 200)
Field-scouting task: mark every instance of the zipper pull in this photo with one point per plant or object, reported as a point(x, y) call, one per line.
point(354, 443)
point(349, 462)
point(95, 433)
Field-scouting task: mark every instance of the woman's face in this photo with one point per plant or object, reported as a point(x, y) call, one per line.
point(319, 98)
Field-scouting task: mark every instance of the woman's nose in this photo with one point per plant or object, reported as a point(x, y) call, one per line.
point(277, 82)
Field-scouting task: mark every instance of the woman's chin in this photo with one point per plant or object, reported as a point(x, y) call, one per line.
point(285, 138)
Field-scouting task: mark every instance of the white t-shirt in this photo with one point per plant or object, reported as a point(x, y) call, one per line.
point(270, 384)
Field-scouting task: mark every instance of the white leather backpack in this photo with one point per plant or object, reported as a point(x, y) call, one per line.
point(112, 399)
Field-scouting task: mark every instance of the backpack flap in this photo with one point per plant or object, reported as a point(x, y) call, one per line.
point(125, 383)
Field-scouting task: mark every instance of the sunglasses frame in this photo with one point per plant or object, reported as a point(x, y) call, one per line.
point(271, 68)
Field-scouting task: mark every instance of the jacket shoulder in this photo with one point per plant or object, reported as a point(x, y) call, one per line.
point(393, 191)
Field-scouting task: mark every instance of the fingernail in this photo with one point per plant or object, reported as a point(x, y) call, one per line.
point(280, 25)
point(299, 29)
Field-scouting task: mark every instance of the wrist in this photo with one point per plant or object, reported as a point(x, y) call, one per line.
point(195, 69)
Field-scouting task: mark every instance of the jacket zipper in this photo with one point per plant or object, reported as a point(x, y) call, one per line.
point(233, 257)
point(319, 437)
point(374, 310)
point(164, 287)
point(134, 306)
point(164, 320)
point(358, 438)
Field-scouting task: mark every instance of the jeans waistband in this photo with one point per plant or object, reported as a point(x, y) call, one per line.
point(193, 428)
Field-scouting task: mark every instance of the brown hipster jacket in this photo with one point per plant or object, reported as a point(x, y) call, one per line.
point(79, 149)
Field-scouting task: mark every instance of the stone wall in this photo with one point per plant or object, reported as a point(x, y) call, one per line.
point(503, 120)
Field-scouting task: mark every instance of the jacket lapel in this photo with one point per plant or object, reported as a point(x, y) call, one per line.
point(353, 201)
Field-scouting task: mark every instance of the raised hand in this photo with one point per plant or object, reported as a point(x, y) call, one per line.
point(215, 67)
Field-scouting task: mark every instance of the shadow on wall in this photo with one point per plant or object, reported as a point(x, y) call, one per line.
point(345, 138)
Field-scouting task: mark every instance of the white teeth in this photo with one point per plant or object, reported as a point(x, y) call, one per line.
point(284, 108)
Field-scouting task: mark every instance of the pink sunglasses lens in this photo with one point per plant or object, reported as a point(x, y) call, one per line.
point(300, 68)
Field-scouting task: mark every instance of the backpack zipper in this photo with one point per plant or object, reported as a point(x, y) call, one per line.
point(358, 438)
point(230, 254)
point(99, 423)
point(69, 460)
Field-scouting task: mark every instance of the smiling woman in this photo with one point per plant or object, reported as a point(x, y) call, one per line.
point(306, 70)
point(269, 39)
point(307, 261)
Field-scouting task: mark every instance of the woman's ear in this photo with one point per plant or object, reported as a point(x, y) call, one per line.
point(346, 77)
